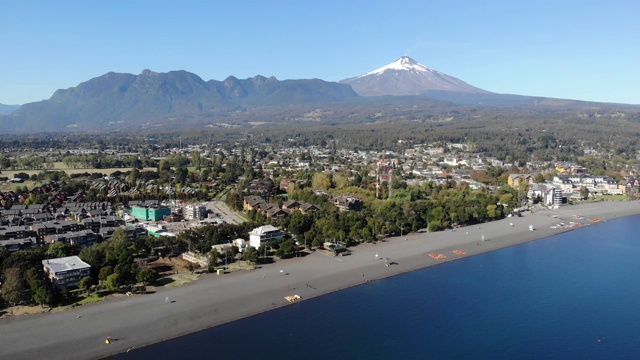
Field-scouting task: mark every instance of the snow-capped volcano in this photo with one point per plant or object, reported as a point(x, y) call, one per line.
point(406, 76)
point(404, 63)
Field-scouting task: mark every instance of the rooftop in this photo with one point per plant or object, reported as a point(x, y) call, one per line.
point(65, 264)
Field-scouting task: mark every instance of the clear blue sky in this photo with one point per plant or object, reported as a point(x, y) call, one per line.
point(587, 50)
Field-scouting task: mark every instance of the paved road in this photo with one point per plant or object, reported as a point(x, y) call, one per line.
point(229, 216)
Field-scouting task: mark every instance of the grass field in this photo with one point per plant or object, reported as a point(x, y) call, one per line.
point(62, 167)
point(58, 166)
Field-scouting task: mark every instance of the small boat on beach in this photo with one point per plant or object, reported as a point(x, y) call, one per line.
point(292, 298)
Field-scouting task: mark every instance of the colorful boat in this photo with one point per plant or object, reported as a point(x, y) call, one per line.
point(292, 298)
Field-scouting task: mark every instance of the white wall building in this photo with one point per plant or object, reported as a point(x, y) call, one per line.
point(66, 272)
point(264, 234)
point(195, 212)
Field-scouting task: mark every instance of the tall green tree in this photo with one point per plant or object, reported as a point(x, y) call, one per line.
point(13, 289)
point(321, 181)
point(113, 282)
point(147, 276)
point(85, 283)
point(57, 250)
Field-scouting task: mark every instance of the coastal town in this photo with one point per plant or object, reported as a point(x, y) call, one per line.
point(103, 230)
point(319, 180)
point(85, 228)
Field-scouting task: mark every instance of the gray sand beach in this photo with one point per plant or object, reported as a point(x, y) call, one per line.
point(141, 320)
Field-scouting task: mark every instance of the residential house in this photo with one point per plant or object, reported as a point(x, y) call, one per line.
point(251, 202)
point(346, 202)
point(518, 180)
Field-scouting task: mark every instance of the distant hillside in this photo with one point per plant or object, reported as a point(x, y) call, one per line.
point(132, 100)
point(6, 109)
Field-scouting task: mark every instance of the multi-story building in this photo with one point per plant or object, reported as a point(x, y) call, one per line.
point(66, 272)
point(18, 244)
point(82, 238)
point(195, 212)
point(263, 234)
point(152, 213)
point(14, 232)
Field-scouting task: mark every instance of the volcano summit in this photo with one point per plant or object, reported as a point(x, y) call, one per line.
point(406, 76)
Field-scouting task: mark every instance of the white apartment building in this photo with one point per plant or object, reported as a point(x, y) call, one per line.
point(195, 212)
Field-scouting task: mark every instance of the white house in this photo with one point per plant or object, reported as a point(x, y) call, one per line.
point(264, 234)
point(65, 272)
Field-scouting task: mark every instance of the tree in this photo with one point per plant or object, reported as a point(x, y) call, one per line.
point(113, 282)
point(191, 267)
point(147, 276)
point(539, 178)
point(213, 256)
point(234, 200)
point(57, 250)
point(196, 159)
point(85, 283)
point(320, 181)
point(43, 293)
point(182, 174)
point(299, 223)
point(105, 271)
point(25, 259)
point(286, 247)
point(119, 254)
point(340, 181)
point(41, 288)
point(584, 192)
point(250, 254)
point(13, 290)
point(133, 176)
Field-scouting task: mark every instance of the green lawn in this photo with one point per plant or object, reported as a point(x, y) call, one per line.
point(95, 297)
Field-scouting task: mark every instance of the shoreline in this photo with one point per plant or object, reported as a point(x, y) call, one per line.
point(143, 320)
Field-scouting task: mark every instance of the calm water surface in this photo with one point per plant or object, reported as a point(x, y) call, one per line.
point(571, 296)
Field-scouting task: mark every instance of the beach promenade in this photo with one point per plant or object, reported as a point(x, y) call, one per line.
point(133, 322)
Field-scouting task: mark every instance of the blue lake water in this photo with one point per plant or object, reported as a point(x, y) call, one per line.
point(572, 296)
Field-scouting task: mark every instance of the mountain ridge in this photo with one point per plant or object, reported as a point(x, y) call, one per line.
point(6, 109)
point(179, 100)
point(122, 97)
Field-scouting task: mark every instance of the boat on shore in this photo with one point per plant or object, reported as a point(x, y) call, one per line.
point(292, 298)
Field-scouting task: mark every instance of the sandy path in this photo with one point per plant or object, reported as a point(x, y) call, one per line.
point(145, 319)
